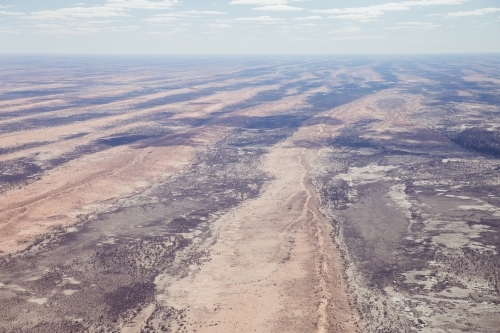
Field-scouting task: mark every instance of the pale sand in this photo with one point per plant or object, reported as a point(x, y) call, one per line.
point(273, 267)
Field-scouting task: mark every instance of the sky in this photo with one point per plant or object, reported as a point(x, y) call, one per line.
point(249, 26)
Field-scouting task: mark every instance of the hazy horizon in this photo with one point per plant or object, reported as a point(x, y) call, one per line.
point(250, 27)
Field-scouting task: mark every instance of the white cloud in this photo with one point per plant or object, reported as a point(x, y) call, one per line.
point(278, 8)
point(306, 18)
point(259, 19)
point(112, 8)
point(203, 12)
point(161, 19)
point(2, 12)
point(168, 17)
point(476, 12)
point(414, 25)
point(259, 2)
point(371, 13)
point(347, 29)
point(167, 32)
point(141, 4)
point(81, 28)
point(7, 30)
point(220, 25)
point(76, 13)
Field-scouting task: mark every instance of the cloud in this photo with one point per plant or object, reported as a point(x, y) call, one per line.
point(168, 17)
point(203, 12)
point(414, 25)
point(7, 30)
point(371, 13)
point(347, 29)
point(259, 2)
point(2, 12)
point(259, 19)
point(76, 13)
point(82, 28)
point(305, 18)
point(167, 32)
point(161, 19)
point(476, 12)
point(220, 25)
point(278, 8)
point(141, 4)
point(190, 13)
point(112, 8)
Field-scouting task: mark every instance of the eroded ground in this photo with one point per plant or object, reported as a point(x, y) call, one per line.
point(313, 194)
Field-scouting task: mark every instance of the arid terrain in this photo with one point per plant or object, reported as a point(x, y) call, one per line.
point(250, 194)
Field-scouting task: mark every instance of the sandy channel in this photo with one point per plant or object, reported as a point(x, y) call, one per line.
point(274, 266)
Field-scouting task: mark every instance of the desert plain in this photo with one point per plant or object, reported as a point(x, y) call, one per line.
point(249, 194)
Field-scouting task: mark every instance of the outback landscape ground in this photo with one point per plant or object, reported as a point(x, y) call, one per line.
point(250, 194)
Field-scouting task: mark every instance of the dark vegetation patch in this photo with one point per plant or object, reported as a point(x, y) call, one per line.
point(169, 140)
point(327, 101)
point(16, 171)
point(352, 136)
point(74, 136)
point(80, 101)
point(175, 98)
point(264, 123)
point(141, 256)
point(269, 96)
point(65, 326)
point(194, 122)
point(8, 150)
point(182, 224)
point(32, 111)
point(128, 297)
point(480, 140)
point(275, 122)
point(489, 98)
point(10, 95)
point(34, 123)
point(387, 74)
point(123, 139)
point(160, 117)
point(384, 275)
point(365, 122)
point(353, 140)
point(47, 282)
point(259, 98)
point(336, 194)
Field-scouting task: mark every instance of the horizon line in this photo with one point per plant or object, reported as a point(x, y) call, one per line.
point(244, 54)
